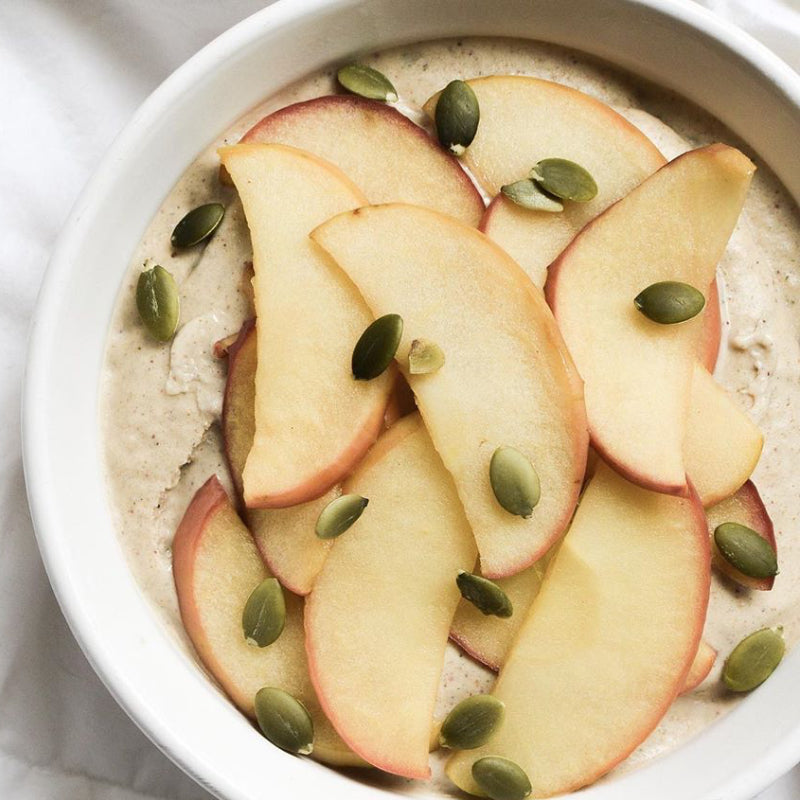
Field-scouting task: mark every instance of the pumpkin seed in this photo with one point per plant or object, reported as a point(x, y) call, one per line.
point(375, 349)
point(339, 515)
point(669, 302)
point(753, 660)
point(526, 193)
point(484, 594)
point(501, 779)
point(264, 614)
point(457, 116)
point(158, 303)
point(565, 179)
point(745, 550)
point(197, 225)
point(284, 721)
point(514, 481)
point(366, 82)
point(424, 357)
point(472, 722)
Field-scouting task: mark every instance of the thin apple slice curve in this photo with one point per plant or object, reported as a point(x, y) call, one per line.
point(216, 567)
point(609, 641)
point(525, 120)
point(701, 666)
point(488, 639)
point(387, 156)
point(455, 287)
point(747, 508)
point(313, 421)
point(672, 227)
point(284, 536)
point(722, 444)
point(378, 618)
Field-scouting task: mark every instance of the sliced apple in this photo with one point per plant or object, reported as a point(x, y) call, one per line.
point(454, 286)
point(487, 638)
point(525, 120)
point(378, 618)
point(387, 156)
point(638, 374)
point(216, 566)
point(703, 662)
point(711, 335)
point(284, 536)
point(722, 444)
point(313, 421)
point(747, 508)
point(609, 640)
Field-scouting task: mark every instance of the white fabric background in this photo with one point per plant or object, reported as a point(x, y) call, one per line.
point(71, 74)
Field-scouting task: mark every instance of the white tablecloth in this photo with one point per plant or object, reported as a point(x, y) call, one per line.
point(71, 74)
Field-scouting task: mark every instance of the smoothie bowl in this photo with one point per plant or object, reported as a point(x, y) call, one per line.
point(419, 391)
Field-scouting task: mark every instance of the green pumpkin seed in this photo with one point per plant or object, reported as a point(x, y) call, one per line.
point(284, 721)
point(264, 614)
point(669, 302)
point(753, 660)
point(501, 779)
point(457, 117)
point(424, 357)
point(514, 481)
point(197, 225)
point(366, 82)
point(526, 193)
point(484, 594)
point(565, 179)
point(472, 722)
point(339, 515)
point(745, 550)
point(158, 303)
point(375, 349)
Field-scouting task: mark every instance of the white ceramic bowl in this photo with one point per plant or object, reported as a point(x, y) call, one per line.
point(672, 42)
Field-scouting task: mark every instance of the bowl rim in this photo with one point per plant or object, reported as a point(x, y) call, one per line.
point(765, 767)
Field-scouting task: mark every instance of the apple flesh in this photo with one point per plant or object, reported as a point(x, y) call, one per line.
point(216, 566)
point(378, 618)
point(525, 120)
point(455, 287)
point(609, 641)
point(638, 374)
point(747, 508)
point(701, 666)
point(487, 638)
point(366, 139)
point(284, 536)
point(313, 421)
point(722, 444)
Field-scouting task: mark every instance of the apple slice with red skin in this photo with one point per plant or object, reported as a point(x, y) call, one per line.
point(488, 639)
point(701, 666)
point(216, 566)
point(747, 508)
point(313, 421)
point(387, 156)
point(722, 444)
point(452, 285)
point(525, 120)
point(609, 641)
point(284, 536)
point(638, 374)
point(378, 618)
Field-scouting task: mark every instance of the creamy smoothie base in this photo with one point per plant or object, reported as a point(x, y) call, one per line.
point(160, 404)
